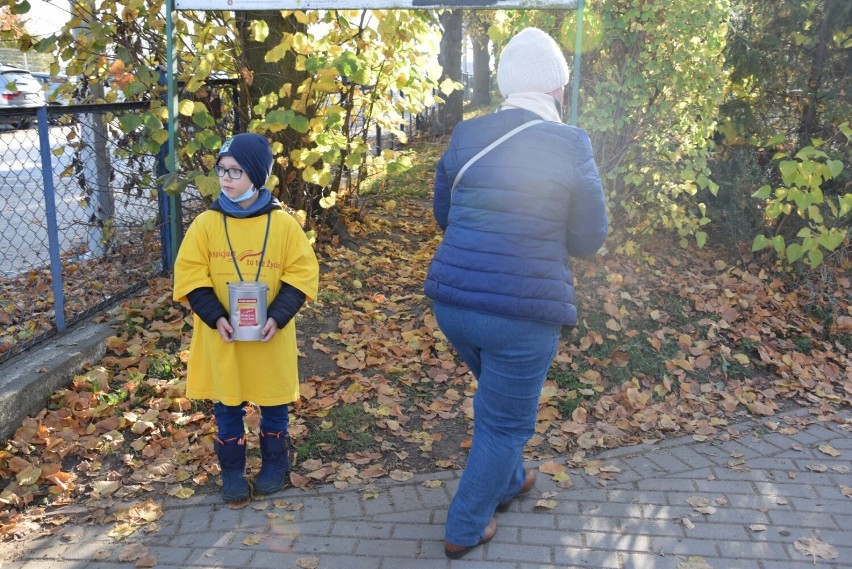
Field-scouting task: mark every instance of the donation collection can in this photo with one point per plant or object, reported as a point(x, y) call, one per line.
point(248, 309)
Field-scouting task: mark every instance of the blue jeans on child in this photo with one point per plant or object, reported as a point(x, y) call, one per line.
point(229, 419)
point(510, 359)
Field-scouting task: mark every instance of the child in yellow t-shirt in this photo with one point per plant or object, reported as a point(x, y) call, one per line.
point(246, 236)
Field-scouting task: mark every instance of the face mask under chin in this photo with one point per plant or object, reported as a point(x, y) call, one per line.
point(242, 197)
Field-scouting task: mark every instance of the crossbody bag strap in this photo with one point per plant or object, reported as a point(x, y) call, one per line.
point(490, 147)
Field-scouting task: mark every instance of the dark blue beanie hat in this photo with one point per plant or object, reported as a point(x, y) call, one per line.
point(254, 154)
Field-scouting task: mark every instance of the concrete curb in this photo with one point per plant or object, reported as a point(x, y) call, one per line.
point(28, 379)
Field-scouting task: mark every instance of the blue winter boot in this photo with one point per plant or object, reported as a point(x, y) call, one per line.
point(232, 462)
point(274, 449)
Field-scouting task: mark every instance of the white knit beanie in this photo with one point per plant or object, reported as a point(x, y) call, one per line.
point(531, 62)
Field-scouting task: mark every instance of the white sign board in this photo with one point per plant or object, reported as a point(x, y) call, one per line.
point(369, 4)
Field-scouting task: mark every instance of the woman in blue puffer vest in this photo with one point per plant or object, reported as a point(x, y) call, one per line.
point(500, 280)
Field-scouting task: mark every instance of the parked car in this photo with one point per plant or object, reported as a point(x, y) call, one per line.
point(19, 89)
point(51, 92)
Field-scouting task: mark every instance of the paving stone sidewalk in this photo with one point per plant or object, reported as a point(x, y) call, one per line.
point(764, 492)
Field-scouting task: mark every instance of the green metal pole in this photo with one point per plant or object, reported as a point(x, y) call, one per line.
point(171, 159)
point(578, 51)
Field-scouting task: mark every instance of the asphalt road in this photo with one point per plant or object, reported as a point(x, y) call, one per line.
point(23, 215)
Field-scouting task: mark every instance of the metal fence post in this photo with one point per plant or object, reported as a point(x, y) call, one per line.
point(164, 210)
point(52, 226)
point(175, 217)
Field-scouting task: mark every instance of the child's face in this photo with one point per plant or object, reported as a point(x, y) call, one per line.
point(233, 188)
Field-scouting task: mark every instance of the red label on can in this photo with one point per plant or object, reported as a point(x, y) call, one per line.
point(247, 309)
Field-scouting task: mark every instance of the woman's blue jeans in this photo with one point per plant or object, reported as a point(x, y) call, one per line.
point(510, 359)
point(229, 419)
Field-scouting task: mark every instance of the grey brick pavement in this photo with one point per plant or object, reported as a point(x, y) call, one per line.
point(785, 489)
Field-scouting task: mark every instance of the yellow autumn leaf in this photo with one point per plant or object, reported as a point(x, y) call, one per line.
point(122, 531)
point(547, 504)
point(563, 480)
point(186, 108)
point(252, 540)
point(742, 359)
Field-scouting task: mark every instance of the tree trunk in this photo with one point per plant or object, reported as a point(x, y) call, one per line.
point(481, 66)
point(260, 78)
point(818, 67)
point(451, 50)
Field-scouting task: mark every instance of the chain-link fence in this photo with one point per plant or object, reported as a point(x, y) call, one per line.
point(83, 220)
point(79, 216)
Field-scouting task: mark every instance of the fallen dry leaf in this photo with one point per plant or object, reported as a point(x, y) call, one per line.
point(401, 475)
point(121, 531)
point(132, 552)
point(308, 562)
point(694, 563)
point(828, 449)
point(147, 561)
point(701, 505)
point(552, 468)
point(182, 492)
point(563, 480)
point(815, 548)
point(239, 504)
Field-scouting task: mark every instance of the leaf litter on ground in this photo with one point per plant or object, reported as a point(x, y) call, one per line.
point(662, 349)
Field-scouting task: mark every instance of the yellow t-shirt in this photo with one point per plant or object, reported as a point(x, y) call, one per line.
point(265, 373)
